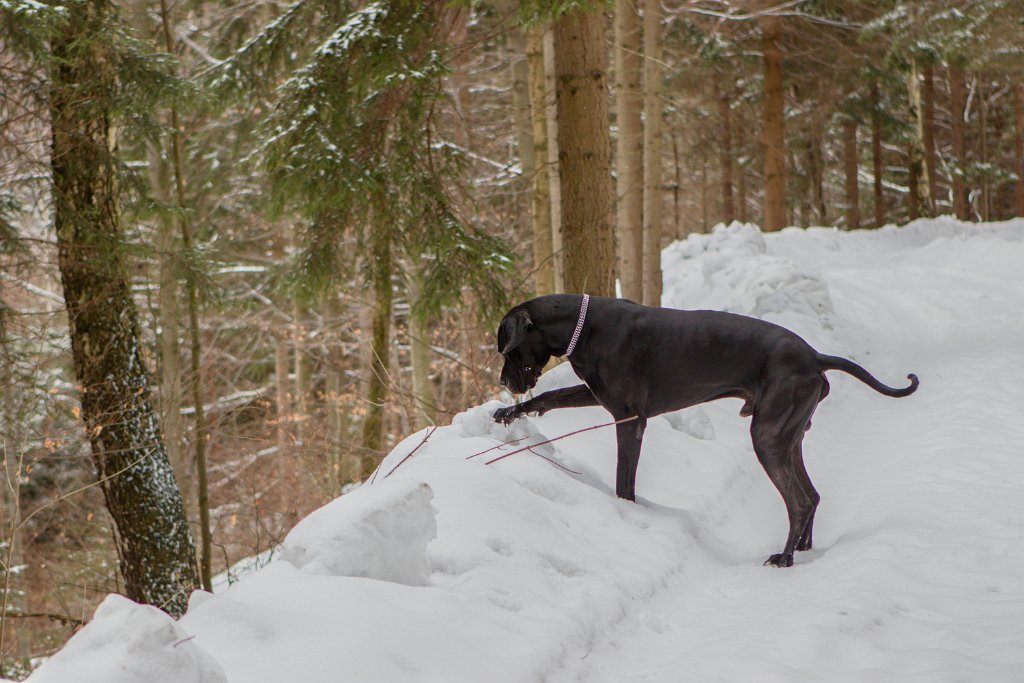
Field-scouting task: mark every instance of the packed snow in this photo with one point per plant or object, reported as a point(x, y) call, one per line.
point(446, 568)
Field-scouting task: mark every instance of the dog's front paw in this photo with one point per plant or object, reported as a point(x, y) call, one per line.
point(506, 416)
point(780, 560)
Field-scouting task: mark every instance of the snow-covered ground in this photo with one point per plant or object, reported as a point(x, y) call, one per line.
point(451, 569)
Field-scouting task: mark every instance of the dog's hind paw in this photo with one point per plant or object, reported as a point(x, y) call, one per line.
point(780, 560)
point(506, 416)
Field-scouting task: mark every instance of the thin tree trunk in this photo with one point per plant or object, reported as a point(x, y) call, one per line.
point(337, 472)
point(282, 371)
point(986, 190)
point(742, 190)
point(958, 105)
point(12, 592)
point(373, 426)
point(540, 182)
point(154, 546)
point(816, 169)
point(852, 187)
point(876, 155)
point(169, 309)
point(928, 135)
point(918, 195)
point(419, 340)
point(629, 105)
point(554, 163)
point(1018, 147)
point(677, 187)
point(202, 474)
point(725, 151)
point(652, 278)
point(774, 131)
point(584, 153)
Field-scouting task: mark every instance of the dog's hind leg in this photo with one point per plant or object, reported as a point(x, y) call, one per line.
point(780, 418)
point(805, 541)
point(630, 437)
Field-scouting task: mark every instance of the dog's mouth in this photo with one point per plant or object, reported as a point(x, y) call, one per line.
point(521, 382)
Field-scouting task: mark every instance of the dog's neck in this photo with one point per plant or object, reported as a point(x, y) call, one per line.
point(559, 319)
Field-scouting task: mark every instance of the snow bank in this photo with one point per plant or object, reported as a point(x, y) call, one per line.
point(446, 568)
point(378, 532)
point(130, 643)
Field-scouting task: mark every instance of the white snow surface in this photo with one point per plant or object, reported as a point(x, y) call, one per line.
point(451, 569)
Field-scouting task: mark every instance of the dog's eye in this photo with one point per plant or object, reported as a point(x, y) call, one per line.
point(528, 368)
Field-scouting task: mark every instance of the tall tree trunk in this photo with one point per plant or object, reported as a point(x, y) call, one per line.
point(154, 546)
point(918, 195)
point(202, 473)
point(958, 106)
point(652, 154)
point(1018, 147)
point(282, 373)
point(540, 182)
point(584, 153)
point(852, 186)
point(725, 151)
point(629, 190)
point(876, 155)
point(774, 131)
point(928, 135)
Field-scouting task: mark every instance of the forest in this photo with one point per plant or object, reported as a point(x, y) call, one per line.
point(248, 247)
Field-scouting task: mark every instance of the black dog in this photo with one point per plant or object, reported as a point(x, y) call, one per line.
point(641, 361)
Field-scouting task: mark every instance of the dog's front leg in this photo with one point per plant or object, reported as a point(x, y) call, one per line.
point(630, 438)
point(578, 396)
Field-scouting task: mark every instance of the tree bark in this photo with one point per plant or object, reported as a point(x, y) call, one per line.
point(540, 182)
point(156, 554)
point(852, 186)
point(876, 155)
point(958, 105)
point(652, 277)
point(584, 153)
point(774, 132)
point(629, 105)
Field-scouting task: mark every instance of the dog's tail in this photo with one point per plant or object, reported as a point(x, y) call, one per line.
point(849, 367)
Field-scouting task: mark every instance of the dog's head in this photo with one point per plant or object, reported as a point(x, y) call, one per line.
point(525, 350)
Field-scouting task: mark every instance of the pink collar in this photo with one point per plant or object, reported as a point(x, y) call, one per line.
point(579, 325)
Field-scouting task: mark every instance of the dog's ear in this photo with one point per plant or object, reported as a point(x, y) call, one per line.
point(513, 329)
